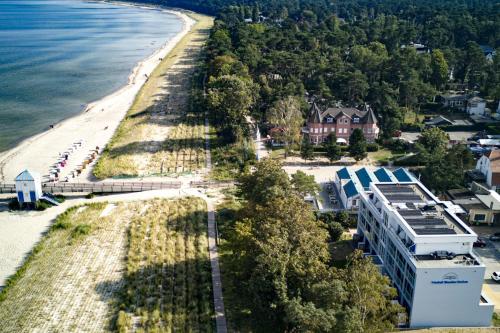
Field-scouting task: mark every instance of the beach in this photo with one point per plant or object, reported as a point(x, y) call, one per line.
point(94, 127)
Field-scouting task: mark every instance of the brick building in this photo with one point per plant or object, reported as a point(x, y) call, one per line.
point(341, 121)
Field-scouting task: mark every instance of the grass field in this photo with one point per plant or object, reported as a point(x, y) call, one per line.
point(168, 281)
point(160, 134)
point(131, 267)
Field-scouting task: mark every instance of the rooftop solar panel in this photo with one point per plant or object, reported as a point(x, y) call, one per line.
point(426, 222)
point(403, 198)
point(410, 212)
point(435, 231)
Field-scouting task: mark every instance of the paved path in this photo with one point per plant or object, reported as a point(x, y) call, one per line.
point(220, 314)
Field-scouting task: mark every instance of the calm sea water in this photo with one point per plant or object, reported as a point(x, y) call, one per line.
point(56, 56)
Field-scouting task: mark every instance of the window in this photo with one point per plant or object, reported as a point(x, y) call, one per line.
point(340, 130)
point(355, 120)
point(346, 121)
point(479, 217)
point(329, 120)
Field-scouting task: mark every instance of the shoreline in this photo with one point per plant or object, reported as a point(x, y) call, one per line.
point(114, 105)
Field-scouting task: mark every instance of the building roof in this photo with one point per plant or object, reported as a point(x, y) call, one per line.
point(366, 116)
point(383, 175)
point(402, 175)
point(350, 189)
point(343, 173)
point(314, 114)
point(487, 49)
point(476, 99)
point(491, 200)
point(439, 120)
point(27, 175)
point(364, 177)
point(454, 97)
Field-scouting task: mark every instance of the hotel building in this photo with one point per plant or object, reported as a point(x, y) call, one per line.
point(426, 250)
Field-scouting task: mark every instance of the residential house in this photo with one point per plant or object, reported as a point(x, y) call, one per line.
point(481, 206)
point(489, 166)
point(341, 121)
point(476, 106)
point(456, 101)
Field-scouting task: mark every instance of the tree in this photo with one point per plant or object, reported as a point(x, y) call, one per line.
point(267, 181)
point(446, 171)
point(370, 294)
point(335, 229)
point(439, 68)
point(432, 144)
point(306, 149)
point(286, 115)
point(333, 151)
point(357, 144)
point(304, 184)
point(230, 98)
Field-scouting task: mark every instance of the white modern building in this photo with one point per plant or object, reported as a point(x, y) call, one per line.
point(426, 250)
point(350, 182)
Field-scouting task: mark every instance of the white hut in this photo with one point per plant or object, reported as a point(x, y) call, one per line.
point(28, 186)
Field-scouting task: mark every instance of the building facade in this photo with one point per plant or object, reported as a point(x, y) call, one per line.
point(489, 166)
point(341, 122)
point(426, 250)
point(476, 106)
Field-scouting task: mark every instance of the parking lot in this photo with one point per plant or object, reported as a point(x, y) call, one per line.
point(490, 256)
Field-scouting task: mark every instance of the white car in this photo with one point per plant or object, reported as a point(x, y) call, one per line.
point(496, 276)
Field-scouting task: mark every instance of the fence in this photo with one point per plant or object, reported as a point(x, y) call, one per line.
point(104, 187)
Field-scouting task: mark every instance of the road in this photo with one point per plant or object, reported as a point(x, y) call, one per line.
point(490, 256)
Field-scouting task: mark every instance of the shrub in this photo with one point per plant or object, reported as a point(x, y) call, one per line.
point(335, 229)
point(42, 205)
point(80, 230)
point(14, 204)
point(371, 147)
point(90, 195)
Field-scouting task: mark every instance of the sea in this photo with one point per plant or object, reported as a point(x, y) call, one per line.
point(56, 56)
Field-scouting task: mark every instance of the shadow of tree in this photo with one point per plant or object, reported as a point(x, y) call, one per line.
point(167, 284)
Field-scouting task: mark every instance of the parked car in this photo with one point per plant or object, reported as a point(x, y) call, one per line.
point(495, 237)
point(496, 276)
point(481, 242)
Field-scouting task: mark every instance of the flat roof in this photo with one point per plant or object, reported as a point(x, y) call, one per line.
point(461, 260)
point(421, 211)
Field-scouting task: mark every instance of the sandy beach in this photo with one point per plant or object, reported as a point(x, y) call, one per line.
point(94, 127)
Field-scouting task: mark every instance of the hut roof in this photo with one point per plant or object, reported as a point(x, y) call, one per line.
point(27, 175)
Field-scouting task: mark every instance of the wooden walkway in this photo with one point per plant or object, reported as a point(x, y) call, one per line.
point(220, 313)
point(98, 187)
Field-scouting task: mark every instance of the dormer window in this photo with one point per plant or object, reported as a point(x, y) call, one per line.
point(355, 120)
point(329, 120)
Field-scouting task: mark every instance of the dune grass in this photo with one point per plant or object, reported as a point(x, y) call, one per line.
point(158, 135)
point(168, 281)
point(144, 266)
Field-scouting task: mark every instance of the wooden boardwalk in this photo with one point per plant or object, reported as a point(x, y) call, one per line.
point(220, 313)
point(98, 187)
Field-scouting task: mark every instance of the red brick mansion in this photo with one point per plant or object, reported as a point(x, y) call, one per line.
point(341, 121)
